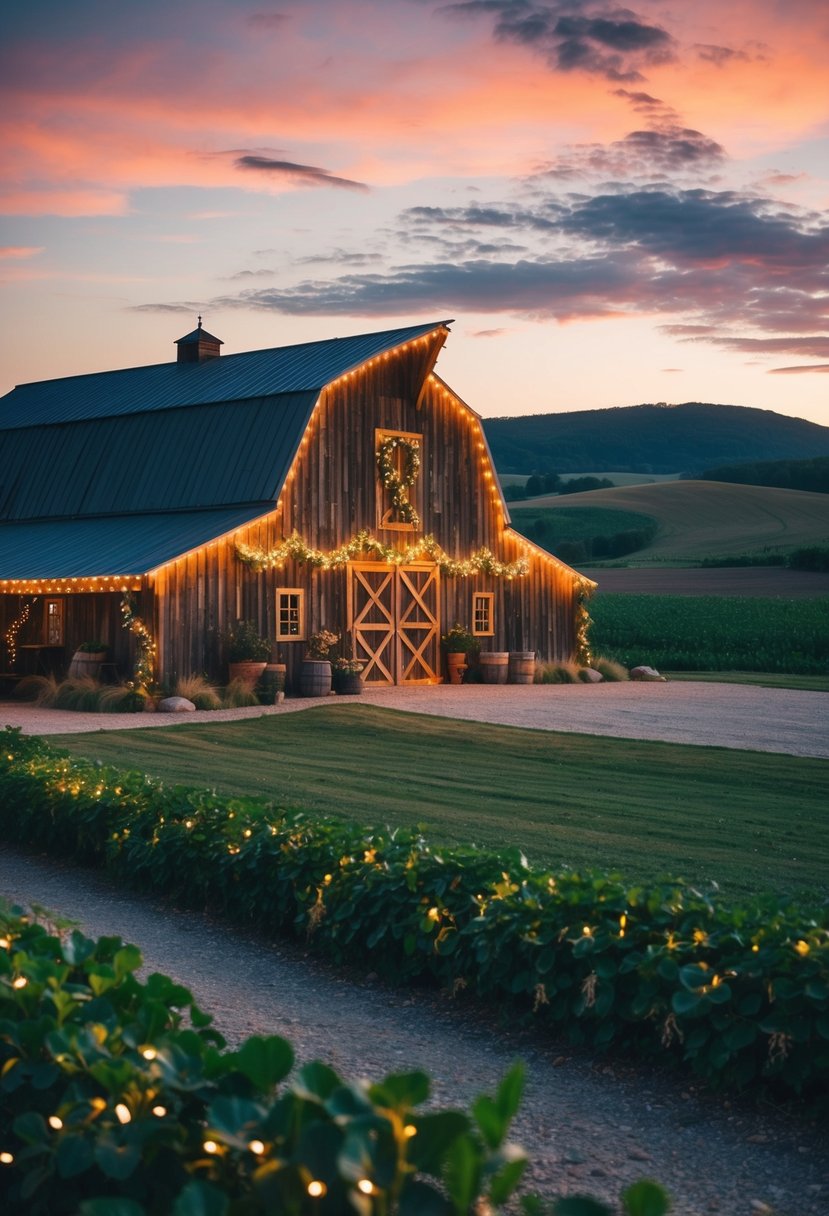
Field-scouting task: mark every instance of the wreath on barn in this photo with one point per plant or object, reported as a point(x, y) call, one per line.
point(397, 483)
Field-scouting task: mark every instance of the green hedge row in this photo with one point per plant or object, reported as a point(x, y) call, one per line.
point(740, 994)
point(117, 1098)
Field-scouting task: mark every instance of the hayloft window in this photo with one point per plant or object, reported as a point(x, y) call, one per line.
point(483, 615)
point(54, 622)
point(399, 455)
point(290, 614)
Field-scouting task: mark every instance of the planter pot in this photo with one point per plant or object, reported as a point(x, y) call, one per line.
point(315, 678)
point(494, 666)
point(86, 663)
point(273, 684)
point(456, 666)
point(521, 666)
point(347, 683)
point(248, 672)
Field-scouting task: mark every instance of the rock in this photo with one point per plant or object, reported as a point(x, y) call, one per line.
point(176, 705)
point(590, 676)
point(646, 673)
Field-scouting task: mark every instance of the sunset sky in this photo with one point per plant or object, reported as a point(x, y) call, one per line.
point(616, 204)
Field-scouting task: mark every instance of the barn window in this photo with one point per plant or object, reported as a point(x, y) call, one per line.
point(399, 456)
point(54, 622)
point(290, 614)
point(483, 616)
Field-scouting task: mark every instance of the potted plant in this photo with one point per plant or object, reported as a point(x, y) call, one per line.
point(459, 645)
point(87, 660)
point(346, 676)
point(247, 652)
point(315, 677)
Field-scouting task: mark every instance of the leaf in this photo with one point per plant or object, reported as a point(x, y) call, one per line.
point(110, 1207)
point(421, 1199)
point(317, 1079)
point(645, 1198)
point(201, 1199)
point(127, 960)
point(580, 1205)
point(435, 1135)
point(235, 1119)
point(461, 1171)
point(265, 1060)
point(401, 1091)
point(116, 1160)
point(506, 1180)
point(510, 1091)
point(75, 1154)
point(684, 1002)
point(490, 1123)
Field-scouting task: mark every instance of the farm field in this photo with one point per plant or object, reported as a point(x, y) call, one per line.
point(749, 821)
point(761, 679)
point(768, 581)
point(699, 519)
point(619, 479)
point(710, 633)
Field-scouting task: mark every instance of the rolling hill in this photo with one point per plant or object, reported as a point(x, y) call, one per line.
point(698, 519)
point(651, 439)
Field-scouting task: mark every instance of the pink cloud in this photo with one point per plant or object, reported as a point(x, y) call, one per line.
point(20, 251)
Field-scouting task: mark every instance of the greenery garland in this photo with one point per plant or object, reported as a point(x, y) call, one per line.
point(294, 548)
point(396, 483)
point(144, 643)
point(584, 656)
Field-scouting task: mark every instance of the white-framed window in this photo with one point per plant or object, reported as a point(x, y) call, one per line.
point(290, 614)
point(483, 613)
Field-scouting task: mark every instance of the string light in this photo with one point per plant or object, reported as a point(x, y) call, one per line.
point(210, 1146)
point(6, 1158)
point(122, 1113)
point(316, 1189)
point(13, 630)
point(64, 586)
point(257, 1147)
point(144, 643)
point(159, 1111)
point(366, 1186)
point(55, 1122)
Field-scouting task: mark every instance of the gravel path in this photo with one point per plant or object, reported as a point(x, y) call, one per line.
point(724, 715)
point(588, 1126)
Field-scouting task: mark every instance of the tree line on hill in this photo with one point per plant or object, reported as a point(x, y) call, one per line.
point(811, 475)
point(651, 439)
point(551, 483)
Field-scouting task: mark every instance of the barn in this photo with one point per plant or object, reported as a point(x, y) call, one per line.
point(335, 484)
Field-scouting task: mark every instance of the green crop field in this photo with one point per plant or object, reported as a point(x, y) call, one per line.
point(750, 821)
point(699, 519)
point(713, 633)
point(578, 523)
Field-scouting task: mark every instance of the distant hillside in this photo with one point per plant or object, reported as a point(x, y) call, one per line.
point(651, 439)
point(810, 475)
point(695, 519)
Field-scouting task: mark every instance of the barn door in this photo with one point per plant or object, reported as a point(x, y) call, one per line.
point(393, 616)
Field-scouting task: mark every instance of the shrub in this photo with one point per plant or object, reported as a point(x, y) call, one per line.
point(610, 669)
point(122, 699)
point(739, 994)
point(199, 690)
point(79, 693)
point(42, 690)
point(556, 673)
point(238, 695)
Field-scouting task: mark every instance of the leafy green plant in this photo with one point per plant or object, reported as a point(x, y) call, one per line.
point(118, 1097)
point(739, 994)
point(243, 643)
point(92, 648)
point(458, 640)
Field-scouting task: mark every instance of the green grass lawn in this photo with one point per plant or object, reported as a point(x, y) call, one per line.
point(764, 679)
point(749, 821)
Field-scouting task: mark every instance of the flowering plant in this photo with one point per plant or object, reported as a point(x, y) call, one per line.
point(351, 667)
point(320, 643)
point(458, 640)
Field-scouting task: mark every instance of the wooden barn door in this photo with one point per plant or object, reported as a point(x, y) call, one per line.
point(394, 617)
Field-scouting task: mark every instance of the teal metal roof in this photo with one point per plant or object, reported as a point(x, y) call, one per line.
point(162, 386)
point(220, 455)
point(119, 545)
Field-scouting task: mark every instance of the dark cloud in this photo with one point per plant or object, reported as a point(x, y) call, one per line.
point(301, 175)
point(597, 39)
point(667, 150)
point(488, 333)
point(799, 370)
point(267, 21)
point(719, 55)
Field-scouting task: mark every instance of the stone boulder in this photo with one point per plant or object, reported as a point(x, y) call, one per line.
point(647, 673)
point(589, 675)
point(176, 705)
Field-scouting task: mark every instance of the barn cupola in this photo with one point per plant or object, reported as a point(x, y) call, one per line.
point(198, 346)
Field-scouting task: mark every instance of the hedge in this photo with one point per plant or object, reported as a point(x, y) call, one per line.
point(740, 994)
point(118, 1098)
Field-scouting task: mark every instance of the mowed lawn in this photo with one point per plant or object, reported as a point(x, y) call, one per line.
point(749, 821)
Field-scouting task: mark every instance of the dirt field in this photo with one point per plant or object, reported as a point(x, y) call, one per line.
point(734, 580)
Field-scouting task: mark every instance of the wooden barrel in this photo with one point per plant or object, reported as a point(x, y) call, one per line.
point(86, 663)
point(494, 666)
point(521, 666)
point(315, 678)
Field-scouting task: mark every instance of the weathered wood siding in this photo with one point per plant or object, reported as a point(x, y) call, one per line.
point(332, 493)
point(88, 617)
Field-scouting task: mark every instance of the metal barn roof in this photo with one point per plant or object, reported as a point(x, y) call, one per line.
point(163, 386)
point(120, 545)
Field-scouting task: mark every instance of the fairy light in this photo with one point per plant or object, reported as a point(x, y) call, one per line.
point(409, 1130)
point(55, 1122)
point(366, 1186)
point(256, 1147)
point(149, 1053)
point(13, 630)
point(122, 1113)
point(20, 982)
point(159, 1111)
point(316, 1189)
point(210, 1146)
point(6, 1158)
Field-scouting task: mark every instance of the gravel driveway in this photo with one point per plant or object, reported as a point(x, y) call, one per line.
point(723, 715)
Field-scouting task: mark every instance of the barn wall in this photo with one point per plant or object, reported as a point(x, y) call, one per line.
point(88, 617)
point(332, 493)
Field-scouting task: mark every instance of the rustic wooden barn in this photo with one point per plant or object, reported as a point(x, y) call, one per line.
point(338, 484)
